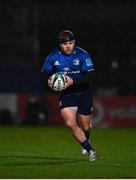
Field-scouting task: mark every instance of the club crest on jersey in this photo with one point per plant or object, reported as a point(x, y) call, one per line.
point(56, 63)
point(88, 62)
point(76, 62)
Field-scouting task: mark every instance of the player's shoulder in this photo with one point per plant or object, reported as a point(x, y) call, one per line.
point(54, 53)
point(81, 50)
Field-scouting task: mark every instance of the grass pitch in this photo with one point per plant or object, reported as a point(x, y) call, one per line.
point(51, 152)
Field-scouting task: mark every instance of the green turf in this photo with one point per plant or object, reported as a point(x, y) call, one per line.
point(51, 152)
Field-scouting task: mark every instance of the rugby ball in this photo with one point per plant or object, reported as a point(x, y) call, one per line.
point(58, 81)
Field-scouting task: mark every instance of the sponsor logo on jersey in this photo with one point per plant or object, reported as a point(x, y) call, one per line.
point(88, 62)
point(56, 63)
point(66, 69)
point(76, 62)
point(74, 72)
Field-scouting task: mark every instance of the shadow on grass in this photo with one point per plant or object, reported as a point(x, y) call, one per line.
point(12, 160)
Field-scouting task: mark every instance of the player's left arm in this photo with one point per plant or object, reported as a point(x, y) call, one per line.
point(87, 78)
point(87, 70)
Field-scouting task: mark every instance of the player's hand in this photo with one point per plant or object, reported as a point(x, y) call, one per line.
point(49, 82)
point(69, 82)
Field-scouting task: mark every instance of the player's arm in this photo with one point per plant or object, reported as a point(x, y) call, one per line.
point(88, 72)
point(87, 78)
point(87, 69)
point(47, 71)
point(45, 76)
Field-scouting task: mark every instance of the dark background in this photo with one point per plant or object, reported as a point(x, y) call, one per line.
point(106, 29)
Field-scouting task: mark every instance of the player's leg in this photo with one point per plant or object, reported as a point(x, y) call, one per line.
point(69, 115)
point(85, 119)
point(85, 123)
point(70, 118)
point(68, 106)
point(85, 113)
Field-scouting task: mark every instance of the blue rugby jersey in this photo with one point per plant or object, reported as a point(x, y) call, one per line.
point(73, 65)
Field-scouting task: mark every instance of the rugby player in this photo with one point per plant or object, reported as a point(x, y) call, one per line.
point(76, 99)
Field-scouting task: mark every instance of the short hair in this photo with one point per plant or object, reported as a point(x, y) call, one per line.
point(65, 36)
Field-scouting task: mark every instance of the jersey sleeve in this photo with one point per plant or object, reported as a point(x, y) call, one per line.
point(86, 63)
point(48, 65)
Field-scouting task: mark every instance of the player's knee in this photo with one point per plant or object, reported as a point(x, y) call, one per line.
point(87, 127)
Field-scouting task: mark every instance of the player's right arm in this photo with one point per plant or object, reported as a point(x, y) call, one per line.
point(47, 70)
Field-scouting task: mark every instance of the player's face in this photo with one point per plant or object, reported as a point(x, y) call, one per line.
point(67, 47)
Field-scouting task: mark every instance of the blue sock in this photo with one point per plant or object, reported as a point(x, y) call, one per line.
point(86, 145)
